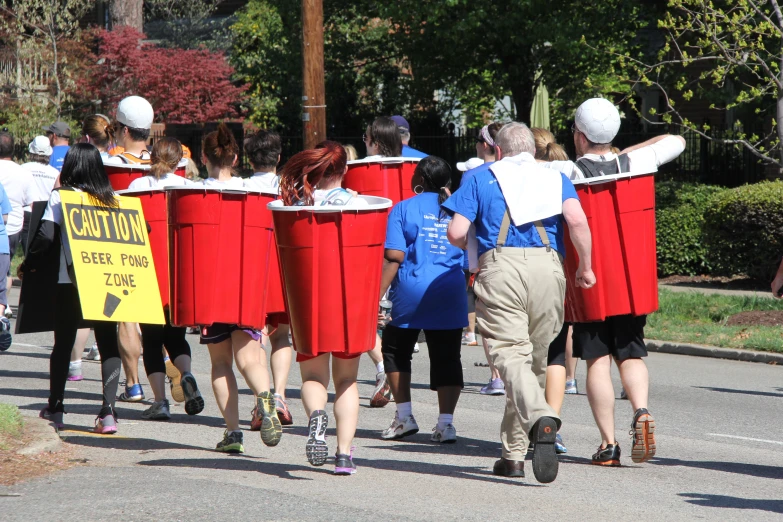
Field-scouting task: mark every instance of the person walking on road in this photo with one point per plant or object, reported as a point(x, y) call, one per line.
point(518, 209)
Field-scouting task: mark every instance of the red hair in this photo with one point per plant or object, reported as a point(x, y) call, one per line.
point(303, 172)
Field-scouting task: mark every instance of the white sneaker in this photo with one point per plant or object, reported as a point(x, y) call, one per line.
point(447, 435)
point(400, 428)
point(158, 411)
point(8, 312)
point(93, 354)
point(416, 348)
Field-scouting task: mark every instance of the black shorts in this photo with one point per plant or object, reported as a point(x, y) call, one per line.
point(557, 350)
point(621, 336)
point(444, 347)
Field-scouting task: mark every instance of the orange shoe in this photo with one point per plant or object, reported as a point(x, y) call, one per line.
point(643, 433)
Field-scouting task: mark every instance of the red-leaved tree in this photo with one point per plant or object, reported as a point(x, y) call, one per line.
point(183, 86)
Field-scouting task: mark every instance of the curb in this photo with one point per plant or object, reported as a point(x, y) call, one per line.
point(698, 350)
point(45, 437)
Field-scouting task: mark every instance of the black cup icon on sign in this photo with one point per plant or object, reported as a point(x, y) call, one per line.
point(111, 304)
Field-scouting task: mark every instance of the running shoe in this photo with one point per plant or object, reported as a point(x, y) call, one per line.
point(132, 394)
point(271, 429)
point(469, 339)
point(416, 348)
point(255, 419)
point(158, 411)
point(559, 446)
point(400, 428)
point(8, 312)
point(93, 354)
point(175, 381)
point(447, 435)
point(315, 448)
point(75, 373)
point(643, 433)
point(55, 418)
point(106, 421)
point(282, 411)
point(343, 464)
point(543, 435)
point(382, 392)
point(231, 443)
point(194, 402)
point(571, 387)
point(5, 333)
point(607, 456)
point(494, 387)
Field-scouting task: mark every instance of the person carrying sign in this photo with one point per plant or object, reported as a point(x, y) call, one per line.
point(518, 209)
point(82, 171)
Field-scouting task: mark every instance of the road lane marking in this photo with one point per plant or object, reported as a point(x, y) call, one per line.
point(745, 438)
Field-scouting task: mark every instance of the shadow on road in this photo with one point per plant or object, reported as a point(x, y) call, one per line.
point(90, 440)
point(35, 355)
point(740, 468)
point(743, 392)
point(11, 374)
point(723, 501)
point(239, 463)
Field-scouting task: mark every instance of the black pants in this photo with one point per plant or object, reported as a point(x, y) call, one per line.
point(68, 319)
point(154, 337)
point(444, 347)
point(25, 231)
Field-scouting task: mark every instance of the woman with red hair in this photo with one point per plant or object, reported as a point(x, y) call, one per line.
point(314, 178)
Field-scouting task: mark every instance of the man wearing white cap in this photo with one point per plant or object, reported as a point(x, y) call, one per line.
point(621, 338)
point(44, 178)
point(134, 121)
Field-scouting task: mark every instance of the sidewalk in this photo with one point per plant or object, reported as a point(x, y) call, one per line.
point(696, 289)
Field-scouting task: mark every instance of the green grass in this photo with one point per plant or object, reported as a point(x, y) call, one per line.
point(690, 317)
point(10, 424)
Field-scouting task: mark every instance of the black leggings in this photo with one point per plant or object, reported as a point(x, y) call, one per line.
point(154, 337)
point(444, 348)
point(68, 319)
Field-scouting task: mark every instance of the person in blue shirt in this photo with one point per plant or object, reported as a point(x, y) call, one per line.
point(518, 209)
point(405, 135)
point(5, 264)
point(427, 293)
point(59, 134)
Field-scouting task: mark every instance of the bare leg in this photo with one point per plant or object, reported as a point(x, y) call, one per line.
point(130, 351)
point(315, 380)
point(280, 360)
point(375, 354)
point(636, 381)
point(250, 365)
point(346, 402)
point(224, 384)
point(447, 398)
point(555, 386)
point(78, 345)
point(400, 384)
point(600, 393)
point(571, 361)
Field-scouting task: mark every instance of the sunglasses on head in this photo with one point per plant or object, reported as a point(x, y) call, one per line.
point(479, 139)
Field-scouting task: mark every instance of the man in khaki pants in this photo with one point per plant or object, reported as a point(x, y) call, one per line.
point(518, 208)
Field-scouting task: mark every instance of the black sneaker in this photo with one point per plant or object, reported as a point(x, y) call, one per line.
point(643, 433)
point(5, 334)
point(544, 435)
point(231, 443)
point(194, 402)
point(343, 464)
point(608, 456)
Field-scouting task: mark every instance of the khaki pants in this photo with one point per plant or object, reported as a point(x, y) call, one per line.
point(519, 311)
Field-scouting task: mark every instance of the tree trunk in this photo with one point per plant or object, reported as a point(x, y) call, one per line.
point(522, 94)
point(126, 12)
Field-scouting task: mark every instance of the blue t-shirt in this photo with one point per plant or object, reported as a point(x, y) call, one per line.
point(408, 152)
point(57, 158)
point(472, 172)
point(429, 289)
point(481, 201)
point(5, 208)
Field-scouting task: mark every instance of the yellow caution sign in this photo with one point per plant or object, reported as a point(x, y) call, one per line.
point(112, 260)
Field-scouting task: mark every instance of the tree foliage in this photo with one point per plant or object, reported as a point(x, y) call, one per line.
point(188, 24)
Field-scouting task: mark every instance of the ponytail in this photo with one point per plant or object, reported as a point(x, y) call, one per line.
point(220, 147)
point(300, 176)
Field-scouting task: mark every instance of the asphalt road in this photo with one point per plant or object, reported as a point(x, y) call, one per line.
point(720, 454)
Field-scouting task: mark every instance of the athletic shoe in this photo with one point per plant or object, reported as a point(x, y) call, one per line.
point(494, 387)
point(194, 402)
point(447, 435)
point(255, 419)
point(158, 411)
point(282, 411)
point(75, 373)
point(382, 392)
point(231, 443)
point(343, 464)
point(106, 422)
point(623, 395)
point(5, 333)
point(559, 446)
point(469, 339)
point(571, 387)
point(400, 428)
point(608, 456)
point(543, 435)
point(643, 433)
point(8, 312)
point(271, 429)
point(315, 448)
point(416, 348)
point(132, 394)
point(192, 330)
point(175, 381)
point(93, 354)
point(55, 418)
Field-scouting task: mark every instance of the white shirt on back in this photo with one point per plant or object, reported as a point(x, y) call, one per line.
point(268, 182)
point(233, 182)
point(44, 177)
point(151, 182)
point(19, 185)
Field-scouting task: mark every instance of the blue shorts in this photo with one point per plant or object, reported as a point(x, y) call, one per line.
point(219, 332)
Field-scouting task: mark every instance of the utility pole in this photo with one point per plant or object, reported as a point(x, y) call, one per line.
point(314, 95)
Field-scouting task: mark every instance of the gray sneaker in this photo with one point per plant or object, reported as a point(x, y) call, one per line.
point(494, 387)
point(93, 354)
point(158, 411)
point(571, 387)
point(5, 334)
point(194, 402)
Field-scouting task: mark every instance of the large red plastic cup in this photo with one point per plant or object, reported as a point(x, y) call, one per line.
point(121, 176)
point(219, 247)
point(331, 261)
point(275, 297)
point(620, 210)
point(388, 178)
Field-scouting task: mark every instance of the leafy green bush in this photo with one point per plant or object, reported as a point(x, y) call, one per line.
point(679, 219)
point(743, 230)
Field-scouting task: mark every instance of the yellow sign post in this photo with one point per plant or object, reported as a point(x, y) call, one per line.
point(112, 260)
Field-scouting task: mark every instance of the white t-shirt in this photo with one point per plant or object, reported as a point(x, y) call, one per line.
point(150, 182)
point(119, 160)
point(337, 197)
point(646, 159)
point(19, 185)
point(236, 183)
point(44, 177)
point(263, 182)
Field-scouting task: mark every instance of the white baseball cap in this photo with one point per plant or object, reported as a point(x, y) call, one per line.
point(135, 112)
point(472, 163)
point(598, 119)
point(40, 145)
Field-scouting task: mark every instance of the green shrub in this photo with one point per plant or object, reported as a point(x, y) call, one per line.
point(743, 230)
point(679, 219)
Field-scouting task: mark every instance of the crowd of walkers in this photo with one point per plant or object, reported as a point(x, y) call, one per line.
point(482, 262)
